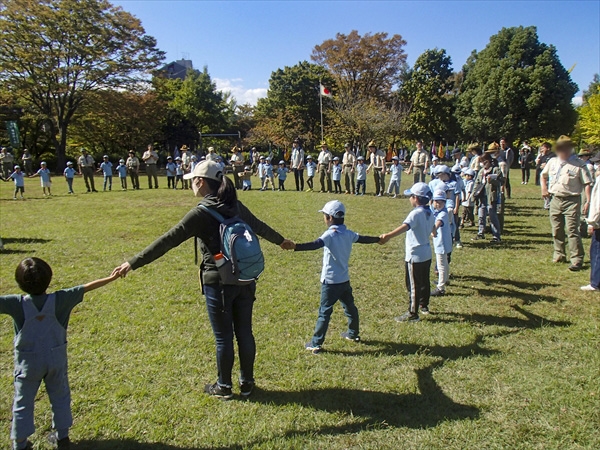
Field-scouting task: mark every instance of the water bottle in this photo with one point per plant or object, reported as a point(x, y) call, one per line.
point(219, 259)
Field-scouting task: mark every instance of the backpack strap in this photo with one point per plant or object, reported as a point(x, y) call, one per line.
point(213, 213)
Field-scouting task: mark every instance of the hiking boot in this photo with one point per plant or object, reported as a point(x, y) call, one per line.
point(314, 349)
point(346, 335)
point(437, 292)
point(575, 267)
point(407, 317)
point(246, 388)
point(218, 391)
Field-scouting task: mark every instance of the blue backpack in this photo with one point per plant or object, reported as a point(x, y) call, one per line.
point(244, 260)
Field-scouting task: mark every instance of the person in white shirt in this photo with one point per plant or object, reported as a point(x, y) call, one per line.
point(150, 157)
point(349, 166)
point(378, 166)
point(396, 176)
point(325, 160)
point(297, 164)
point(311, 169)
point(237, 164)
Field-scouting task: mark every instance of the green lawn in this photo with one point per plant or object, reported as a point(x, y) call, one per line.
point(510, 359)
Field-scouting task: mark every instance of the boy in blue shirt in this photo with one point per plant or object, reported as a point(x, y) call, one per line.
point(395, 171)
point(268, 175)
point(170, 168)
point(179, 173)
point(311, 168)
point(106, 169)
point(19, 178)
point(122, 172)
point(282, 172)
point(418, 226)
point(361, 175)
point(442, 241)
point(45, 178)
point(336, 175)
point(40, 322)
point(337, 243)
point(69, 174)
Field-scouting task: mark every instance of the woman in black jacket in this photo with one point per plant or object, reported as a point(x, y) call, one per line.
point(229, 306)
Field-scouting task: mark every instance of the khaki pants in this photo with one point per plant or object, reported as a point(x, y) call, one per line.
point(88, 177)
point(349, 179)
point(565, 217)
point(152, 172)
point(323, 174)
point(419, 174)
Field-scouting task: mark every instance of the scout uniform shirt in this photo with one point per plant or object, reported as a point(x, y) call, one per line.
point(325, 158)
point(419, 158)
point(133, 163)
point(378, 159)
point(567, 178)
point(86, 161)
point(348, 160)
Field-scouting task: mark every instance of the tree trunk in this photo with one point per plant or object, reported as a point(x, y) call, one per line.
point(61, 147)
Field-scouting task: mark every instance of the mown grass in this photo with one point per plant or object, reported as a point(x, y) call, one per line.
point(510, 359)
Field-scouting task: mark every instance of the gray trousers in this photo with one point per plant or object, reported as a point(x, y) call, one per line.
point(349, 179)
point(152, 172)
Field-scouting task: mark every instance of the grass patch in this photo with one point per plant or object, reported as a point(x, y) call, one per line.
point(509, 359)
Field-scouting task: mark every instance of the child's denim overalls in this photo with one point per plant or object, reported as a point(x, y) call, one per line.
point(41, 354)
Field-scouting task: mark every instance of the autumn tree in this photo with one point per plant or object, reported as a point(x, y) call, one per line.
point(515, 87)
point(54, 53)
point(589, 117)
point(592, 88)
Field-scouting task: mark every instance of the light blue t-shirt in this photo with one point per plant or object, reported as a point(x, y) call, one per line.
point(450, 187)
point(179, 169)
point(338, 242)
point(421, 221)
point(171, 167)
point(282, 173)
point(69, 172)
point(269, 170)
point(18, 178)
point(122, 170)
point(442, 243)
point(310, 169)
point(44, 175)
point(361, 172)
point(336, 172)
point(106, 168)
point(396, 172)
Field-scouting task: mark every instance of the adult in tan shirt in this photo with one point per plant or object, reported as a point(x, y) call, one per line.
point(419, 162)
point(563, 180)
point(377, 158)
point(150, 157)
point(349, 164)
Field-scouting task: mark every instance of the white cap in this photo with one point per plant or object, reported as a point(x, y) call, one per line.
point(69, 163)
point(456, 168)
point(469, 172)
point(334, 208)
point(439, 195)
point(206, 169)
point(442, 168)
point(420, 190)
point(121, 160)
point(211, 149)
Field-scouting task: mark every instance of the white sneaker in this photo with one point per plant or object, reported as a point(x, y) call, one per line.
point(589, 287)
point(459, 245)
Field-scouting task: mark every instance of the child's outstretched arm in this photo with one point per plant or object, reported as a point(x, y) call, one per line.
point(368, 239)
point(315, 245)
point(384, 238)
point(99, 283)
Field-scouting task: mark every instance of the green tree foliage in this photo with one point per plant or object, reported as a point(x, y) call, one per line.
point(291, 108)
point(515, 87)
point(589, 119)
point(592, 88)
point(427, 91)
point(55, 52)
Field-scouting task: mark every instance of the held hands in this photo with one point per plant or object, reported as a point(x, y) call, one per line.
point(383, 239)
point(122, 270)
point(288, 245)
point(545, 193)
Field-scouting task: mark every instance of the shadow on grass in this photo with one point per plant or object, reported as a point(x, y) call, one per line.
point(25, 241)
point(6, 251)
point(130, 444)
point(498, 287)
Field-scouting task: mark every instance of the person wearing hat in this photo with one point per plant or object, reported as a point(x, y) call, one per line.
point(419, 162)
point(255, 158)
point(311, 169)
point(324, 167)
point(150, 157)
point(336, 175)
point(435, 162)
point(508, 156)
point(261, 171)
point(27, 160)
point(468, 203)
point(171, 169)
point(133, 167)
point(499, 160)
point(282, 172)
point(525, 160)
point(487, 190)
point(45, 178)
point(418, 226)
point(297, 164)
point(337, 243)
point(69, 174)
point(86, 165)
point(106, 169)
point(395, 171)
point(19, 179)
point(585, 155)
point(212, 156)
point(229, 306)
point(377, 163)
point(237, 166)
point(246, 176)
point(121, 170)
point(563, 180)
point(349, 166)
point(179, 173)
point(361, 175)
point(186, 163)
point(442, 241)
point(475, 151)
point(7, 159)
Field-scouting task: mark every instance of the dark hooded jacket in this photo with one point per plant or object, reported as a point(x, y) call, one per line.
point(199, 223)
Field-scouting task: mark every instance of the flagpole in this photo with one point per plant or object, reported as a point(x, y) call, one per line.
point(321, 107)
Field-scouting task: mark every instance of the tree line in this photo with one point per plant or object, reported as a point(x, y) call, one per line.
point(85, 73)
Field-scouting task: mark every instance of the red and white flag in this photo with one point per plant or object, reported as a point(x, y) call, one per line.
point(325, 92)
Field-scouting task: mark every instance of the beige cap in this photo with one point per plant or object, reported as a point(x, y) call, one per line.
point(206, 169)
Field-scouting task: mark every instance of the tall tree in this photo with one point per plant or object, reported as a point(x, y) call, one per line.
point(427, 91)
point(592, 88)
point(589, 119)
point(516, 87)
point(362, 66)
point(55, 52)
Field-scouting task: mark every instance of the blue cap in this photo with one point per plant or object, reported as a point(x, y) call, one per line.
point(442, 168)
point(470, 172)
point(456, 168)
point(439, 195)
point(395, 158)
point(420, 190)
point(334, 208)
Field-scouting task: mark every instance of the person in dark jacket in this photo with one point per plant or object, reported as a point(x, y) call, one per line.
point(229, 306)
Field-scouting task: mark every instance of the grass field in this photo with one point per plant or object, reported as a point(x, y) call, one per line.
point(509, 359)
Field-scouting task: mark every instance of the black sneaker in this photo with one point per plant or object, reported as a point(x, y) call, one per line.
point(346, 335)
point(218, 391)
point(407, 317)
point(246, 388)
point(424, 310)
point(438, 292)
point(495, 240)
point(575, 267)
point(479, 237)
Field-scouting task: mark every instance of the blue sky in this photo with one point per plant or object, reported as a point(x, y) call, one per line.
point(242, 42)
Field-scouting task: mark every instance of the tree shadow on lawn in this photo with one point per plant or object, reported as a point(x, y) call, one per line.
point(25, 240)
point(130, 444)
point(509, 244)
point(498, 287)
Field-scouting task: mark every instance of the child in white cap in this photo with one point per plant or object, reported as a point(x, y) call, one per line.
point(468, 203)
point(122, 172)
point(361, 176)
point(45, 178)
point(311, 168)
point(282, 172)
point(170, 168)
point(395, 171)
point(336, 175)
point(335, 278)
point(69, 174)
point(442, 241)
point(106, 169)
point(435, 161)
point(19, 178)
point(419, 224)
point(246, 176)
point(269, 177)
point(179, 172)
